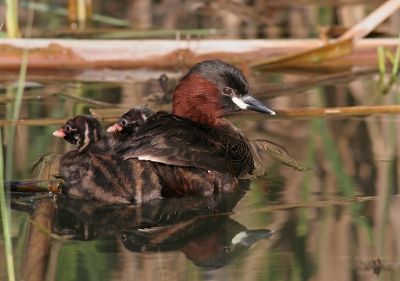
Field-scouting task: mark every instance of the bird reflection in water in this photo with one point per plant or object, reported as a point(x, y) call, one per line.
point(198, 226)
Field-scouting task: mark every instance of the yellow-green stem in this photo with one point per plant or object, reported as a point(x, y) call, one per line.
point(12, 19)
point(6, 221)
point(5, 217)
point(396, 59)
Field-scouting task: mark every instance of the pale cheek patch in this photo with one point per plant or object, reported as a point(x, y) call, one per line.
point(86, 140)
point(239, 103)
point(238, 237)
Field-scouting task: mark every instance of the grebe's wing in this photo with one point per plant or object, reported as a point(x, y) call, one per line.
point(172, 140)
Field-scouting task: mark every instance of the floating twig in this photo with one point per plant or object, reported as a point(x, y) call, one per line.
point(32, 198)
point(54, 186)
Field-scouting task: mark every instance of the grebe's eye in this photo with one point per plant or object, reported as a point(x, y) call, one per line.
point(227, 91)
point(227, 249)
point(124, 122)
point(67, 128)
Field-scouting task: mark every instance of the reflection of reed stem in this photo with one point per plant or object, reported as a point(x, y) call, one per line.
point(10, 144)
point(39, 242)
point(6, 222)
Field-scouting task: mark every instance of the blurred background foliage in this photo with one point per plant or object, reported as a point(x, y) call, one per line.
point(226, 19)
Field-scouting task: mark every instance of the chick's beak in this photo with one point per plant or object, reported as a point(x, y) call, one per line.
point(59, 133)
point(248, 102)
point(114, 128)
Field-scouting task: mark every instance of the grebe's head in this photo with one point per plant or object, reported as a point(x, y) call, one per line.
point(212, 89)
point(82, 130)
point(130, 122)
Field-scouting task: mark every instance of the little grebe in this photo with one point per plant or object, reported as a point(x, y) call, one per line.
point(129, 123)
point(93, 170)
point(195, 135)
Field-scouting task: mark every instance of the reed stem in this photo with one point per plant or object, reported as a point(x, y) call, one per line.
point(12, 19)
point(6, 221)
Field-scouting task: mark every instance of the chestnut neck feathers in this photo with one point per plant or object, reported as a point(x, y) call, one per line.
point(195, 105)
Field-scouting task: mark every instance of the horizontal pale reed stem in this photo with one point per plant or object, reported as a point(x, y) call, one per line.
point(283, 113)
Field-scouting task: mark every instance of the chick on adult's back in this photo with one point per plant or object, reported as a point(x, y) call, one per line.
point(129, 123)
point(93, 170)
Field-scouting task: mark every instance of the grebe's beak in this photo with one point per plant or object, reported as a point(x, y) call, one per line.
point(114, 128)
point(249, 237)
point(59, 133)
point(248, 102)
